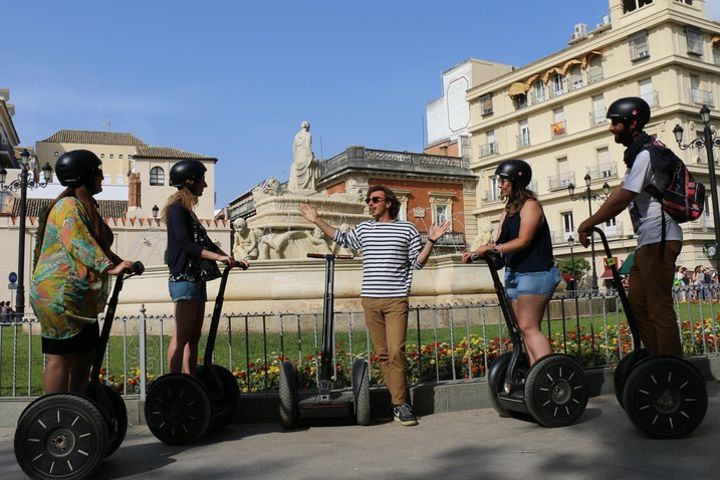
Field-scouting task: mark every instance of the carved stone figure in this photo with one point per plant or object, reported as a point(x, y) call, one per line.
point(245, 244)
point(304, 171)
point(292, 244)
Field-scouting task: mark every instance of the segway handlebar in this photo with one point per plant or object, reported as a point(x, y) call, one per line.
point(326, 255)
point(491, 257)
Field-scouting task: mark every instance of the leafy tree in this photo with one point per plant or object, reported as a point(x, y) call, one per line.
point(577, 266)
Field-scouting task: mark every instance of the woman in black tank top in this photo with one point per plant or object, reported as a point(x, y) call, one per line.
point(524, 240)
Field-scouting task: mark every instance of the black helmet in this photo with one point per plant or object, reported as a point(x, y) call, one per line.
point(628, 109)
point(77, 167)
point(186, 173)
point(517, 171)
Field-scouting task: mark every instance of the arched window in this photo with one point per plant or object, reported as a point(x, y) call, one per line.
point(157, 176)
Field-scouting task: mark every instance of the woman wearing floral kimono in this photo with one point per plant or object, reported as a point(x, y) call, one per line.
point(69, 284)
point(191, 259)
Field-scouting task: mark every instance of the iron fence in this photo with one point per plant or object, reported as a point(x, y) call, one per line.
point(444, 342)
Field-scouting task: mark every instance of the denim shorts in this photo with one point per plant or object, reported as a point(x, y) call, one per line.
point(531, 283)
point(186, 290)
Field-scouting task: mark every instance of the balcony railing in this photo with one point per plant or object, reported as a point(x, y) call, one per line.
point(652, 98)
point(560, 237)
point(595, 75)
point(523, 140)
point(364, 158)
point(450, 239)
point(606, 170)
point(489, 149)
point(558, 129)
point(561, 180)
point(575, 83)
point(597, 118)
point(701, 97)
point(613, 231)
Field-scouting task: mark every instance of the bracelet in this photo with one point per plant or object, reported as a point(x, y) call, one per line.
point(431, 240)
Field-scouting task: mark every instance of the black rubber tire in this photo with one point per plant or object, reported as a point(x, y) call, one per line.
point(665, 397)
point(112, 407)
point(224, 402)
point(288, 393)
point(61, 436)
point(177, 409)
point(496, 380)
point(622, 371)
point(556, 391)
point(362, 393)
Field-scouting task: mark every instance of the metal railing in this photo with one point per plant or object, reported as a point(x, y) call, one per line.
point(606, 170)
point(702, 97)
point(489, 149)
point(597, 118)
point(561, 180)
point(444, 342)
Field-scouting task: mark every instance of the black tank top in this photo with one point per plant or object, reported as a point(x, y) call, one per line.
point(536, 257)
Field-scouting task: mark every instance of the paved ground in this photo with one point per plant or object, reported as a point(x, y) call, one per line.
point(473, 444)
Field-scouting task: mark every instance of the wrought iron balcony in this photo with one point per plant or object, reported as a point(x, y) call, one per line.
point(604, 171)
point(489, 149)
point(560, 181)
point(701, 97)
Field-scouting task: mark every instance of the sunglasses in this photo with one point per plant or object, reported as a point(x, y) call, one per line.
point(374, 200)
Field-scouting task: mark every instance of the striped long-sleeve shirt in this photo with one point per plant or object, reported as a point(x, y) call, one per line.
point(390, 251)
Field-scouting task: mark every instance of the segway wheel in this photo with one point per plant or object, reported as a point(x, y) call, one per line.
point(61, 436)
point(112, 407)
point(556, 391)
point(665, 397)
point(622, 371)
point(289, 408)
point(496, 379)
point(223, 397)
point(361, 391)
point(177, 409)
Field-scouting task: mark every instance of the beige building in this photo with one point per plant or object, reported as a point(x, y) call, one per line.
point(122, 155)
point(552, 114)
point(136, 180)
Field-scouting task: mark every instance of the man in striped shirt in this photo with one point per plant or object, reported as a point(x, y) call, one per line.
point(391, 249)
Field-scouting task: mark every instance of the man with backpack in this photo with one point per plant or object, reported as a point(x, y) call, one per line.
point(645, 190)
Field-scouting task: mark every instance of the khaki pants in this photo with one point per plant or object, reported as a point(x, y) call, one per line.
point(387, 320)
point(651, 281)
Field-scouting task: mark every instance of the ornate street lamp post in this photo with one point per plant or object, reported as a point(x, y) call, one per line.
point(589, 195)
point(708, 141)
point(22, 183)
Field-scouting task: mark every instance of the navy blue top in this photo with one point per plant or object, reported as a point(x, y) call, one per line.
point(536, 257)
point(186, 241)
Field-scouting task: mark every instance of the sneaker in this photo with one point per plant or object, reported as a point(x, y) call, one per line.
point(404, 415)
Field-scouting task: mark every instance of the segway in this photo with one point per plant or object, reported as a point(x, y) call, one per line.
point(180, 408)
point(325, 401)
point(553, 391)
point(665, 397)
point(67, 436)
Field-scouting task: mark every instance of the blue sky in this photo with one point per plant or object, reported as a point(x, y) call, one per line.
point(234, 79)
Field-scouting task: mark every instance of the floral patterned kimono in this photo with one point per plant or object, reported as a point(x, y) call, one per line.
point(69, 287)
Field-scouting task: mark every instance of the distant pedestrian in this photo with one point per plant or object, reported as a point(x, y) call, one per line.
point(3, 312)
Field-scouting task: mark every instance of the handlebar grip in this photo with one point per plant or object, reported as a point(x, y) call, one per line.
point(137, 268)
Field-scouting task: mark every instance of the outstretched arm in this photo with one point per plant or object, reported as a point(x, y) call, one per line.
point(312, 216)
point(434, 234)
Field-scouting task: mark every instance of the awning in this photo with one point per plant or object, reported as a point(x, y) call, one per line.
point(518, 88)
point(532, 80)
point(569, 64)
point(627, 264)
point(590, 56)
point(551, 72)
point(607, 273)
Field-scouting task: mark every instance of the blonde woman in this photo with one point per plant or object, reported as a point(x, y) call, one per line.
point(191, 259)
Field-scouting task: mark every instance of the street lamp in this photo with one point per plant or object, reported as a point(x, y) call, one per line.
point(589, 195)
point(155, 211)
point(571, 244)
point(22, 183)
point(708, 141)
